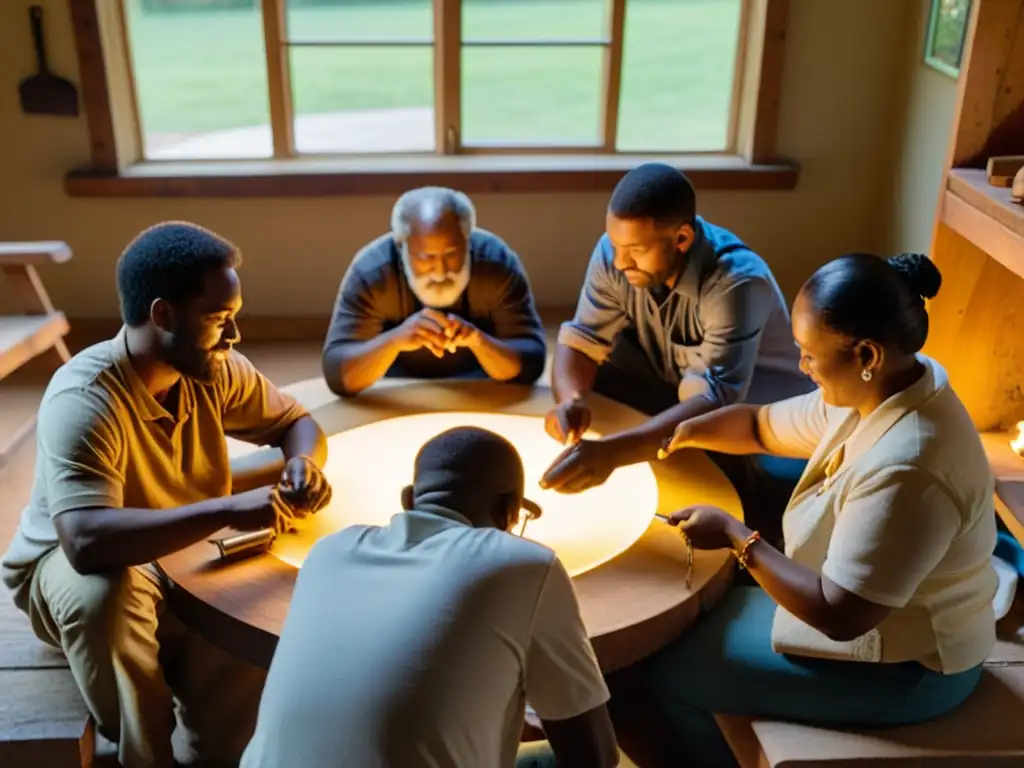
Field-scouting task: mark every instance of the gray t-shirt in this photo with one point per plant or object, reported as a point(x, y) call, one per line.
point(374, 297)
point(722, 329)
point(418, 644)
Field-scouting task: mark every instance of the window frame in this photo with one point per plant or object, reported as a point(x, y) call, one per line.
point(117, 167)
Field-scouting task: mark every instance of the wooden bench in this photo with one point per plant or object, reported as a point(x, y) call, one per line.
point(987, 730)
point(43, 720)
point(40, 327)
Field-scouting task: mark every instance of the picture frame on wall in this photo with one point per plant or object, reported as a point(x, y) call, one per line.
point(947, 32)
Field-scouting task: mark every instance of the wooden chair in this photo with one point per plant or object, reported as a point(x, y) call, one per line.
point(40, 327)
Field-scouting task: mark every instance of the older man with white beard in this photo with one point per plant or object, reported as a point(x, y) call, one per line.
point(434, 298)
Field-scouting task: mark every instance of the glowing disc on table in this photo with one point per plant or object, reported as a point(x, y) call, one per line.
point(369, 465)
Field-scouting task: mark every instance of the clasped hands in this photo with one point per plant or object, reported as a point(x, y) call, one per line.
point(436, 331)
point(302, 490)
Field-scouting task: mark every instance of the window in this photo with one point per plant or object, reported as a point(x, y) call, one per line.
point(230, 98)
point(221, 79)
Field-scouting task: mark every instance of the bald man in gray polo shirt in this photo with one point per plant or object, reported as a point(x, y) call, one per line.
point(436, 297)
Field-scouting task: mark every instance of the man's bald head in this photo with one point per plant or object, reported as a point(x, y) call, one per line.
point(431, 227)
point(472, 471)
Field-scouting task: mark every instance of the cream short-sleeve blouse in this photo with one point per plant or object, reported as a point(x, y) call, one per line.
point(903, 517)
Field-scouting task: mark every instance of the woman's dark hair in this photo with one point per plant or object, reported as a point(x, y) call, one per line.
point(866, 297)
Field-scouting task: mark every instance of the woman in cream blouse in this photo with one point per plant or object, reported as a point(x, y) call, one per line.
point(880, 610)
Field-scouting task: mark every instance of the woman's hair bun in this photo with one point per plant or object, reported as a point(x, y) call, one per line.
point(918, 272)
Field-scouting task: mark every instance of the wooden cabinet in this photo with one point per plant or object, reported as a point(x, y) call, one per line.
point(977, 320)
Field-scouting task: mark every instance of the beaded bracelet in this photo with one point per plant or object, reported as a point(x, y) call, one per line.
point(743, 554)
point(689, 557)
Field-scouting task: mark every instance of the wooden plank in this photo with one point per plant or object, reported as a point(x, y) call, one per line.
point(983, 301)
point(757, 112)
point(279, 81)
point(976, 225)
point(1010, 507)
point(1002, 168)
point(990, 41)
point(971, 736)
point(973, 187)
point(92, 76)
point(386, 176)
point(19, 647)
point(1008, 111)
point(739, 69)
point(769, 91)
point(447, 77)
point(43, 720)
point(961, 264)
point(612, 74)
point(35, 253)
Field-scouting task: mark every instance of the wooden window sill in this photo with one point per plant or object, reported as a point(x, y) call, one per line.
point(315, 177)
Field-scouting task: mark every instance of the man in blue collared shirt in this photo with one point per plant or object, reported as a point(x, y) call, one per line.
point(676, 317)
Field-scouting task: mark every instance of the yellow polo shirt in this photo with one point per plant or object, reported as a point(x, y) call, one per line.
point(104, 441)
point(905, 519)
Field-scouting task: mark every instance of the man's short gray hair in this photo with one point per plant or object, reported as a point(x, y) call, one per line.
point(429, 203)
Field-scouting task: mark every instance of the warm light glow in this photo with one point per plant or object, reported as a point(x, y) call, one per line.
point(369, 465)
point(1018, 444)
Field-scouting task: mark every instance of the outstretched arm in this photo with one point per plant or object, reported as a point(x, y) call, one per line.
point(733, 318)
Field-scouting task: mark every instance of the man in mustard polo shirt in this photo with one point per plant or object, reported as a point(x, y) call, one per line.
point(132, 465)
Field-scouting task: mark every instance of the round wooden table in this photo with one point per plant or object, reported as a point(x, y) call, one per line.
point(633, 605)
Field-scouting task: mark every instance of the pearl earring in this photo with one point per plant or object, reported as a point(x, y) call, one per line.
point(866, 375)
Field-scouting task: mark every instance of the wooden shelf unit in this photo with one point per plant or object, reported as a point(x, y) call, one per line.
point(977, 320)
point(985, 216)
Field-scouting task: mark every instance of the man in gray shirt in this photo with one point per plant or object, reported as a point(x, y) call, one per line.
point(434, 298)
point(676, 317)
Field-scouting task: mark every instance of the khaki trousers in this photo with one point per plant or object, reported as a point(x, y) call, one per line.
point(156, 689)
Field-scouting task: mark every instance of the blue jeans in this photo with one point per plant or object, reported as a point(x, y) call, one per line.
point(726, 664)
